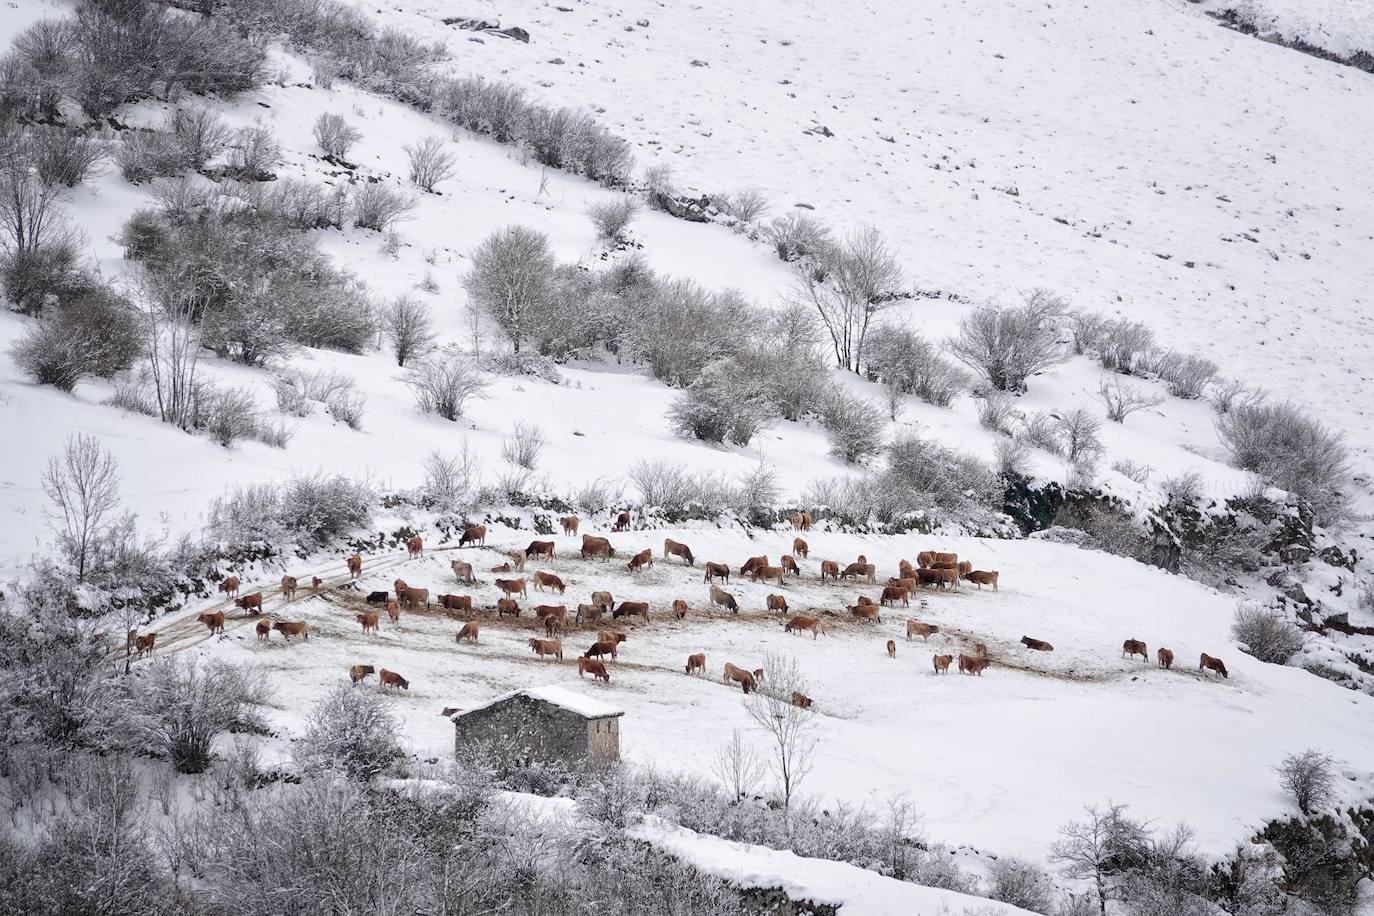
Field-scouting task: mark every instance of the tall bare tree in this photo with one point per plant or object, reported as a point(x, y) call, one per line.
point(848, 284)
point(83, 484)
point(789, 726)
point(170, 306)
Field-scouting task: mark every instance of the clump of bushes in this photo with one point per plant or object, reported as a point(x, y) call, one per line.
point(1264, 633)
point(94, 334)
point(1006, 346)
point(1288, 449)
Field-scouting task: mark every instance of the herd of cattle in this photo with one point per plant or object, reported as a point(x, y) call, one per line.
point(933, 570)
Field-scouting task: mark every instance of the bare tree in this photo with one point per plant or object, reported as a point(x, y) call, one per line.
point(510, 277)
point(254, 154)
point(409, 328)
point(83, 485)
point(1122, 400)
point(1308, 777)
point(1100, 848)
point(848, 284)
point(28, 204)
point(430, 162)
point(377, 206)
point(738, 766)
point(1008, 345)
point(200, 133)
point(170, 305)
point(451, 478)
point(444, 383)
point(789, 726)
point(335, 135)
point(523, 446)
point(1079, 430)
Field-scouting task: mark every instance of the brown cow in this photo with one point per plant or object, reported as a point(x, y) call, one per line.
point(393, 611)
point(1038, 645)
point(801, 548)
point(476, 535)
point(696, 662)
point(289, 628)
point(512, 586)
point(867, 612)
point(1134, 647)
point(230, 586)
point(1166, 659)
point(604, 599)
point(463, 571)
point(981, 577)
point(415, 546)
point(672, 548)
point(891, 649)
point(413, 596)
point(939, 577)
point(905, 570)
point(558, 612)
point(632, 608)
point(923, 630)
point(622, 522)
point(801, 700)
point(964, 567)
point(214, 621)
point(358, 672)
point(892, 594)
point(468, 632)
point(942, 663)
point(1208, 663)
point(679, 608)
point(767, 574)
point(777, 603)
point(250, 603)
point(264, 630)
point(288, 587)
point(601, 648)
point(392, 679)
point(980, 650)
point(355, 566)
point(856, 570)
point(506, 606)
point(315, 583)
point(588, 613)
point(517, 561)
point(596, 547)
point(456, 602)
point(569, 523)
point(971, 665)
point(544, 647)
point(789, 564)
point(796, 521)
point(614, 636)
point(544, 580)
point(369, 622)
point(801, 521)
point(540, 549)
point(752, 562)
point(502, 568)
point(644, 558)
point(144, 644)
point(740, 676)
point(595, 668)
point(830, 568)
point(725, 599)
point(802, 622)
point(716, 570)
point(398, 586)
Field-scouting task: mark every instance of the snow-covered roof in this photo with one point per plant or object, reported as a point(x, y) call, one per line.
point(558, 696)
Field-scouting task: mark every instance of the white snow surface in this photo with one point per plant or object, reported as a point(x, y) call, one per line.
point(571, 700)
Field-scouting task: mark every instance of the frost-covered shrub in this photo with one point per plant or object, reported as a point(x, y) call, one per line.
point(199, 133)
point(1264, 633)
point(144, 155)
point(451, 479)
point(1012, 457)
point(612, 217)
point(679, 328)
point(1087, 330)
point(408, 328)
point(230, 414)
point(254, 155)
point(1042, 430)
point(325, 507)
point(484, 106)
point(378, 206)
point(303, 205)
point(1080, 433)
point(1224, 393)
point(523, 446)
point(798, 235)
point(659, 188)
point(853, 425)
point(430, 162)
point(1134, 471)
point(63, 157)
point(1121, 343)
point(1022, 884)
point(995, 411)
point(351, 732)
point(335, 135)
point(510, 277)
point(907, 363)
point(597, 495)
point(32, 278)
point(347, 409)
point(1186, 375)
point(444, 383)
point(1184, 489)
point(95, 334)
point(719, 405)
point(1310, 778)
point(745, 205)
point(1289, 449)
point(1006, 346)
point(187, 704)
point(1122, 400)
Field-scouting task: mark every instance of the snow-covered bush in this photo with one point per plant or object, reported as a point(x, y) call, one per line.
point(1186, 375)
point(186, 704)
point(995, 411)
point(1310, 778)
point(1080, 433)
point(335, 135)
point(597, 495)
point(254, 155)
point(510, 276)
point(325, 507)
point(408, 328)
point(1289, 449)
point(483, 106)
point(1012, 457)
point(377, 206)
point(1122, 400)
point(303, 205)
point(907, 363)
point(1134, 471)
point(1185, 489)
point(230, 414)
point(1022, 884)
point(444, 382)
point(351, 732)
point(451, 479)
point(659, 187)
point(93, 334)
point(64, 158)
point(847, 284)
point(347, 409)
point(679, 328)
point(719, 405)
point(146, 154)
point(552, 133)
point(200, 135)
point(1265, 633)
point(1087, 330)
point(1120, 344)
point(612, 217)
point(523, 446)
point(1042, 430)
point(1104, 527)
point(1006, 346)
point(430, 162)
point(745, 205)
point(853, 425)
point(1224, 393)
point(798, 235)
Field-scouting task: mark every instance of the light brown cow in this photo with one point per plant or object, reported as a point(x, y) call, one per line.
point(215, 621)
point(468, 632)
point(588, 613)
point(980, 650)
point(905, 570)
point(891, 649)
point(456, 602)
point(544, 647)
point(801, 700)
point(398, 586)
point(1166, 658)
point(942, 663)
point(415, 546)
point(866, 571)
point(543, 580)
point(502, 568)
point(801, 548)
point(696, 662)
point(358, 672)
point(569, 523)
point(144, 644)
point(1134, 647)
point(393, 612)
point(476, 536)
point(892, 594)
point(866, 612)
point(594, 668)
point(602, 648)
point(968, 664)
point(596, 547)
point(264, 630)
point(767, 574)
point(672, 548)
point(777, 603)
point(716, 571)
point(250, 603)
point(463, 571)
point(622, 522)
point(604, 599)
point(355, 566)
point(512, 586)
point(789, 564)
point(369, 622)
point(802, 622)
point(1038, 645)
point(679, 608)
point(289, 628)
point(738, 675)
point(801, 521)
point(614, 636)
point(517, 560)
point(554, 612)
point(964, 567)
point(506, 606)
point(392, 679)
point(644, 558)
point(1208, 663)
point(230, 586)
point(410, 597)
point(633, 609)
point(796, 521)
point(923, 630)
point(831, 569)
point(752, 562)
point(540, 549)
point(723, 598)
point(981, 577)
point(865, 600)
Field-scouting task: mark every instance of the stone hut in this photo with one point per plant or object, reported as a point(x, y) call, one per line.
point(542, 725)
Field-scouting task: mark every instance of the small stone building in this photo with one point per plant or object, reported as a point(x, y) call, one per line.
point(542, 725)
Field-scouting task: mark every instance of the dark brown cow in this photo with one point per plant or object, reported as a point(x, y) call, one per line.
point(789, 564)
point(1038, 645)
point(596, 547)
point(289, 628)
point(215, 621)
point(315, 583)
point(777, 603)
point(415, 547)
point(622, 522)
point(1208, 663)
point(1134, 647)
point(250, 603)
point(723, 598)
point(942, 663)
point(392, 679)
point(644, 558)
point(801, 700)
point(696, 662)
point(540, 549)
point(672, 548)
point(369, 622)
point(143, 645)
point(358, 672)
point(802, 622)
point(892, 594)
point(801, 548)
point(679, 608)
point(355, 566)
point(378, 597)
point(230, 586)
point(456, 602)
point(476, 536)
point(831, 569)
point(506, 606)
point(264, 630)
point(468, 632)
point(981, 577)
point(594, 668)
point(633, 609)
point(751, 563)
point(740, 676)
point(939, 577)
point(544, 580)
point(602, 648)
point(716, 571)
point(544, 647)
point(968, 664)
point(1166, 659)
